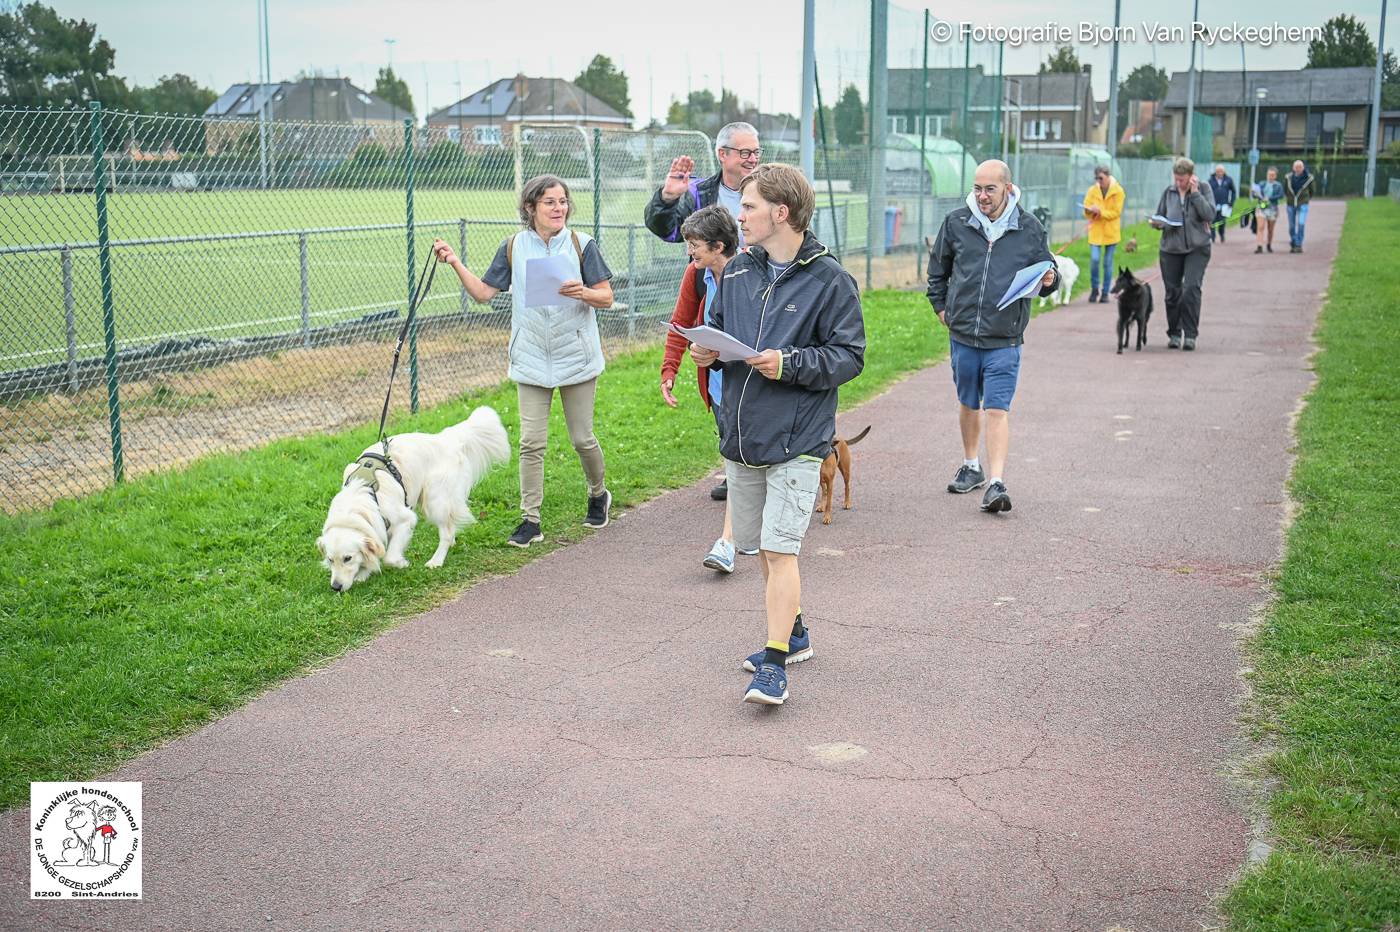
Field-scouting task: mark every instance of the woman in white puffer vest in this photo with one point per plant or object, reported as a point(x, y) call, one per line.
point(551, 346)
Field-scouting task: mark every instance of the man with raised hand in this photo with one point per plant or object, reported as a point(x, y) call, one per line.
point(738, 152)
point(978, 251)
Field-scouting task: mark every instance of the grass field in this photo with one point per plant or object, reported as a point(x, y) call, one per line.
point(251, 287)
point(1327, 659)
point(141, 612)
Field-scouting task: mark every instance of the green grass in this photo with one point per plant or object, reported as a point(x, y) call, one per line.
point(137, 614)
point(1327, 658)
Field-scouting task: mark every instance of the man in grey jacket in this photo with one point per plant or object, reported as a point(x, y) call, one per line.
point(788, 298)
point(978, 251)
point(1185, 251)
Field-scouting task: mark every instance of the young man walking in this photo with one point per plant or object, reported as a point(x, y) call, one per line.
point(978, 251)
point(791, 300)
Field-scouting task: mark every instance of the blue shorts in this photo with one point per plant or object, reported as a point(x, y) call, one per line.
point(984, 378)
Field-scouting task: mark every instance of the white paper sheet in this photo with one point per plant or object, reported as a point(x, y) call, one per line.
point(1165, 221)
point(1025, 283)
point(729, 349)
point(543, 278)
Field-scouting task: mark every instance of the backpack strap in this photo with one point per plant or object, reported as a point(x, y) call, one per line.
point(578, 249)
point(510, 252)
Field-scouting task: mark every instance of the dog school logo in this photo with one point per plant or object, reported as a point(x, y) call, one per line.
point(86, 841)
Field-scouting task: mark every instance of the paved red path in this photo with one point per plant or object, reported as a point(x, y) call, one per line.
point(1023, 721)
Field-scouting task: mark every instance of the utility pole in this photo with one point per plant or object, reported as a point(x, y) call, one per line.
point(1372, 142)
point(806, 149)
point(1113, 83)
point(1191, 80)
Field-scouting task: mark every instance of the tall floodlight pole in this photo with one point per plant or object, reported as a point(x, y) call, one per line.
point(1113, 83)
point(264, 91)
point(806, 148)
point(1191, 80)
point(1376, 108)
point(1259, 94)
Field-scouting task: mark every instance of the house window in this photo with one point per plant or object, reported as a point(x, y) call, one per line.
point(1217, 124)
point(1389, 133)
point(1273, 128)
point(899, 123)
point(1326, 127)
point(1041, 130)
point(487, 135)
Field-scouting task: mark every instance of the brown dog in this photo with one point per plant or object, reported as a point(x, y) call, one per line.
point(838, 458)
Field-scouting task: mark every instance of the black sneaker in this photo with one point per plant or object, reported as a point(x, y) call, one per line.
point(1188, 344)
point(967, 479)
point(598, 506)
point(996, 498)
point(1093, 295)
point(720, 492)
point(526, 534)
point(1103, 298)
point(1173, 342)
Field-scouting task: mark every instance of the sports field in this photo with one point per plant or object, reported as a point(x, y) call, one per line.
point(249, 286)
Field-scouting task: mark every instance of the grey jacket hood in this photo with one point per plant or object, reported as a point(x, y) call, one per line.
point(811, 313)
point(967, 277)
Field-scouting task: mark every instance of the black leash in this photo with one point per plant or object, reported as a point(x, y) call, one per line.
point(419, 293)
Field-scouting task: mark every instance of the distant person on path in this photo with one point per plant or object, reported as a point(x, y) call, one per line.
point(1222, 189)
point(1184, 252)
point(1266, 210)
point(551, 347)
point(712, 239)
point(736, 147)
point(1298, 190)
point(1103, 208)
point(789, 298)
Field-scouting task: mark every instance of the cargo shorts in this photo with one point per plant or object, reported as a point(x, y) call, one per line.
point(771, 506)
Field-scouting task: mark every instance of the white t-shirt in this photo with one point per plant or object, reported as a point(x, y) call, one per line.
point(729, 200)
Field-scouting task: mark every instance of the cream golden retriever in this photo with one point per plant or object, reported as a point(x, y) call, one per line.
point(372, 517)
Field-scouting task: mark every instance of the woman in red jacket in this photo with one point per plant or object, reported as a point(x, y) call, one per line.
point(712, 239)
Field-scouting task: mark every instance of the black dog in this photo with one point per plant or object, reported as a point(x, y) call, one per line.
point(1134, 304)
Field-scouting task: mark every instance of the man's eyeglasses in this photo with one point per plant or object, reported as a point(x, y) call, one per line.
point(744, 153)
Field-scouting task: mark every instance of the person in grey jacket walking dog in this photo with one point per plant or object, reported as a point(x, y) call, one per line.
point(790, 299)
point(1185, 251)
point(553, 346)
point(978, 251)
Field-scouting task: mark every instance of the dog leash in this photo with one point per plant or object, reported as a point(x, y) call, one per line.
point(419, 293)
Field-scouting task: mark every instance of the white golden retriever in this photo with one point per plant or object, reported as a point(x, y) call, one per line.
point(1069, 271)
point(367, 527)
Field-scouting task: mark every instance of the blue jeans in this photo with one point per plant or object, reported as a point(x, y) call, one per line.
point(1107, 265)
point(1297, 219)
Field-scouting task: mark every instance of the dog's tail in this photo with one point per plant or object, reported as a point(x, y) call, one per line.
point(859, 437)
point(483, 437)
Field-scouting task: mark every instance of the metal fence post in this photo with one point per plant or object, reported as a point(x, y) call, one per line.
point(305, 293)
point(70, 325)
point(462, 254)
point(104, 267)
point(413, 327)
point(597, 182)
point(631, 280)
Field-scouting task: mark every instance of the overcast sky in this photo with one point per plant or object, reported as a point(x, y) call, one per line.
point(753, 47)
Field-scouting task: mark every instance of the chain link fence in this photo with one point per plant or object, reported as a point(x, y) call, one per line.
point(172, 287)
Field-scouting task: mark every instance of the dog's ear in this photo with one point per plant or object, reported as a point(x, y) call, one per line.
point(373, 547)
point(321, 544)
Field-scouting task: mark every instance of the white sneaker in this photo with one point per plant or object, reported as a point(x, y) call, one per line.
point(721, 556)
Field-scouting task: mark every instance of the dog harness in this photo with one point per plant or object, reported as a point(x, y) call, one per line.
point(367, 471)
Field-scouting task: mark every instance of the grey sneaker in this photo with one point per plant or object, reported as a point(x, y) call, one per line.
point(1173, 342)
point(967, 479)
point(996, 499)
point(721, 557)
point(1189, 343)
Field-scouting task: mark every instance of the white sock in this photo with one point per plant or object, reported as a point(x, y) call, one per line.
point(972, 463)
point(996, 479)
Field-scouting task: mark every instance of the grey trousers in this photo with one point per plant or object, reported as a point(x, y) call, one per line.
point(535, 403)
point(1182, 274)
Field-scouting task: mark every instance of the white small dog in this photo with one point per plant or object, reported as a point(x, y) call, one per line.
point(1069, 271)
point(372, 517)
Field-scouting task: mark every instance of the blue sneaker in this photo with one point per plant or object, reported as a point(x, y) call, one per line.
point(721, 556)
point(799, 649)
point(769, 686)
